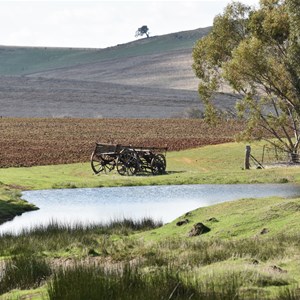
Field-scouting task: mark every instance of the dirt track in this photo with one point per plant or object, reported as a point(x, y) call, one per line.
point(30, 142)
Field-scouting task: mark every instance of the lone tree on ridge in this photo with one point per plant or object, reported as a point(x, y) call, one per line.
point(142, 30)
point(256, 52)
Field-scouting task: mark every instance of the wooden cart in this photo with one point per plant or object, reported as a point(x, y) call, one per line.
point(128, 160)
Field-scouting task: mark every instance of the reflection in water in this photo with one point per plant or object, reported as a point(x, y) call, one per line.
point(165, 203)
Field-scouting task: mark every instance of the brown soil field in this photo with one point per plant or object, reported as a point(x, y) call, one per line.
point(45, 141)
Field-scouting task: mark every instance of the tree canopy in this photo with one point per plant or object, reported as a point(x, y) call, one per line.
point(256, 52)
point(142, 30)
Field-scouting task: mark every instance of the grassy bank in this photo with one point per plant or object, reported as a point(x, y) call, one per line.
point(11, 203)
point(251, 252)
point(211, 164)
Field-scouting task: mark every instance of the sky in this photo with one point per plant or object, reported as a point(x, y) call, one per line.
point(99, 23)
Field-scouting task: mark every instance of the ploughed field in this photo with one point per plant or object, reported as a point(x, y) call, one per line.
point(45, 141)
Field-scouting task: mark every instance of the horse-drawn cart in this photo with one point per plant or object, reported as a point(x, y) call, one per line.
point(128, 160)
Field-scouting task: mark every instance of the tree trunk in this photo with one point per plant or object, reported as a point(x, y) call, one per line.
point(294, 157)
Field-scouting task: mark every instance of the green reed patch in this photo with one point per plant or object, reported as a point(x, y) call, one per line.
point(289, 293)
point(209, 251)
point(131, 282)
point(24, 272)
point(56, 236)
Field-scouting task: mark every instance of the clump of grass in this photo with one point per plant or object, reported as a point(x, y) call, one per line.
point(289, 293)
point(24, 272)
point(57, 236)
point(91, 282)
point(65, 185)
point(282, 180)
point(210, 251)
point(126, 225)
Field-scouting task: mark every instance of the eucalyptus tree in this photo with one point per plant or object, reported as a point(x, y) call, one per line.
point(142, 30)
point(256, 51)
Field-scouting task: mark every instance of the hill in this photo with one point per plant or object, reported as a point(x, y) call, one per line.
point(146, 78)
point(27, 60)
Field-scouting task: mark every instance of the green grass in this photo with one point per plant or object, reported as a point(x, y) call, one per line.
point(64, 240)
point(130, 282)
point(243, 219)
point(24, 272)
point(32, 294)
point(233, 258)
point(221, 164)
point(11, 203)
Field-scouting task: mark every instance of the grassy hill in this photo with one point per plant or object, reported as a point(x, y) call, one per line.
point(26, 60)
point(147, 78)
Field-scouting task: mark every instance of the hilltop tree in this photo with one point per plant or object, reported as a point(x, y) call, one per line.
point(256, 52)
point(142, 30)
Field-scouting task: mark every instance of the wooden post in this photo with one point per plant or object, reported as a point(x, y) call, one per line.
point(247, 157)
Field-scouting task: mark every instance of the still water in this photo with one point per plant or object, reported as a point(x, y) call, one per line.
point(165, 203)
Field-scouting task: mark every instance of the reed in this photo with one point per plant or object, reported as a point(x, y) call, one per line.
point(92, 282)
point(57, 236)
point(289, 293)
point(24, 272)
point(209, 251)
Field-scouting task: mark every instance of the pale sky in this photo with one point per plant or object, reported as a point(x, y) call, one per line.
point(98, 23)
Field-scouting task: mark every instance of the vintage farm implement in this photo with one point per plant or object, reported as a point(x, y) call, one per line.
point(128, 160)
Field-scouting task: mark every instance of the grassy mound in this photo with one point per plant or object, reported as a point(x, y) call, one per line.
point(11, 203)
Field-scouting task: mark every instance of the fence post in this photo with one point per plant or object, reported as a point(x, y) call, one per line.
point(247, 157)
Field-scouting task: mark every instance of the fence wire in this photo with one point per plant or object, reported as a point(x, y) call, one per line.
point(271, 155)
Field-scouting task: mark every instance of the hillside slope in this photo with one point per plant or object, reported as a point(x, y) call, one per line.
point(172, 70)
point(147, 78)
point(26, 60)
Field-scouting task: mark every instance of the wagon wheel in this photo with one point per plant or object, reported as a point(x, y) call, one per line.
point(109, 162)
point(158, 164)
point(100, 163)
point(127, 162)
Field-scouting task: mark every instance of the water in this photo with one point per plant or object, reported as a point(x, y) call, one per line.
point(165, 203)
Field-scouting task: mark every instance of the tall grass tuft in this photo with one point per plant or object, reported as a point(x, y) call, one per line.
point(57, 236)
point(126, 225)
point(289, 293)
point(91, 282)
point(24, 272)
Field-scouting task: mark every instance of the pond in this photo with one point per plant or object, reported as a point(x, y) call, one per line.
point(165, 203)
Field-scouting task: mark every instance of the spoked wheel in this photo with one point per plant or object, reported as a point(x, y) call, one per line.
point(158, 164)
point(100, 163)
point(110, 162)
point(127, 162)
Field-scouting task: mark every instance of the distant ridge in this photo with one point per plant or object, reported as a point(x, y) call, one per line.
point(27, 60)
point(146, 78)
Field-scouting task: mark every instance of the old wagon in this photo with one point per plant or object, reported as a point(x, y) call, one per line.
point(128, 160)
